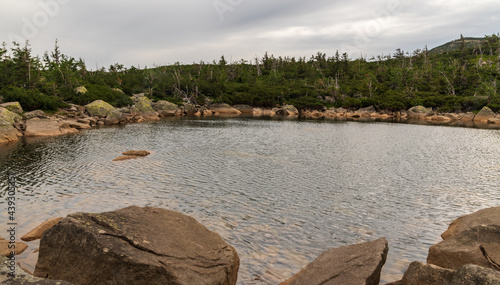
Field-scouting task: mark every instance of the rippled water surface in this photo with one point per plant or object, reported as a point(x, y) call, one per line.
point(280, 192)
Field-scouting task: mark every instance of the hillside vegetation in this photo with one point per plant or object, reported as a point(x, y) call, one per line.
point(460, 78)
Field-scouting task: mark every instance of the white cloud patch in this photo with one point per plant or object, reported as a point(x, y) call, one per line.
point(165, 31)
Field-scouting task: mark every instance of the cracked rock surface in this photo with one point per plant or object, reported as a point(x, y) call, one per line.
point(135, 246)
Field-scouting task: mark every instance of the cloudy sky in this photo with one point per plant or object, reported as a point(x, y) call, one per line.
point(158, 32)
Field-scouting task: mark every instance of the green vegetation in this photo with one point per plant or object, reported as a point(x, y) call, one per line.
point(462, 77)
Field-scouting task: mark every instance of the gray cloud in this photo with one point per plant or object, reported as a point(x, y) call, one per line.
point(165, 31)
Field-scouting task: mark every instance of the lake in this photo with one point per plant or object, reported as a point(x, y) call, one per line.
point(280, 191)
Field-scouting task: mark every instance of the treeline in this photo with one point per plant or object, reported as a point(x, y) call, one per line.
point(465, 79)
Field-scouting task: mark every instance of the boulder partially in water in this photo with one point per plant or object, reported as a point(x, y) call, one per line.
point(419, 112)
point(290, 110)
point(144, 106)
point(490, 216)
point(354, 264)
point(484, 115)
point(472, 246)
point(135, 246)
point(165, 108)
point(137, 152)
point(224, 109)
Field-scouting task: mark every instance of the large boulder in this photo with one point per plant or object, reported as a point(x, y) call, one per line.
point(144, 106)
point(13, 107)
point(165, 108)
point(290, 110)
point(354, 264)
point(99, 108)
point(419, 112)
point(467, 247)
point(135, 246)
point(189, 109)
point(419, 273)
point(472, 274)
point(114, 117)
point(37, 127)
point(8, 121)
point(490, 216)
point(224, 109)
point(484, 115)
point(12, 274)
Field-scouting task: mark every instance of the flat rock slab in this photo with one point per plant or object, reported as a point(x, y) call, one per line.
point(464, 248)
point(37, 232)
point(135, 246)
point(126, 157)
point(355, 264)
point(137, 152)
point(490, 216)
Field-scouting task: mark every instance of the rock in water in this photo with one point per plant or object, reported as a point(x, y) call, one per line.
point(137, 152)
point(490, 216)
point(464, 248)
point(484, 115)
point(355, 264)
point(135, 246)
point(37, 232)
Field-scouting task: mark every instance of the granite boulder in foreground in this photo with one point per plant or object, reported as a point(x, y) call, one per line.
point(355, 264)
point(12, 274)
point(135, 246)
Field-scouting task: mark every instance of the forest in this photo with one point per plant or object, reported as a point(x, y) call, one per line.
point(465, 78)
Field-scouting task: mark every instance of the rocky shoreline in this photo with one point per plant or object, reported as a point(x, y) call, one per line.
point(149, 245)
point(15, 123)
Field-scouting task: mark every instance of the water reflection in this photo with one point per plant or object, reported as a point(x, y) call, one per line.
point(281, 192)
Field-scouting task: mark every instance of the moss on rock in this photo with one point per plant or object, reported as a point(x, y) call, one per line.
point(99, 108)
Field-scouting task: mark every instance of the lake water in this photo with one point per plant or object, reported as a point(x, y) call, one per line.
point(280, 191)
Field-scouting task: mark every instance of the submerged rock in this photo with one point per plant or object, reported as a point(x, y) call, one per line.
point(354, 264)
point(126, 157)
point(5, 250)
point(135, 246)
point(137, 152)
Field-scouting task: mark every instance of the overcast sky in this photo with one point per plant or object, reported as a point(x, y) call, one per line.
point(158, 32)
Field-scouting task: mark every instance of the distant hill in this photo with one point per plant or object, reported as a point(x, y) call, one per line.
point(455, 45)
